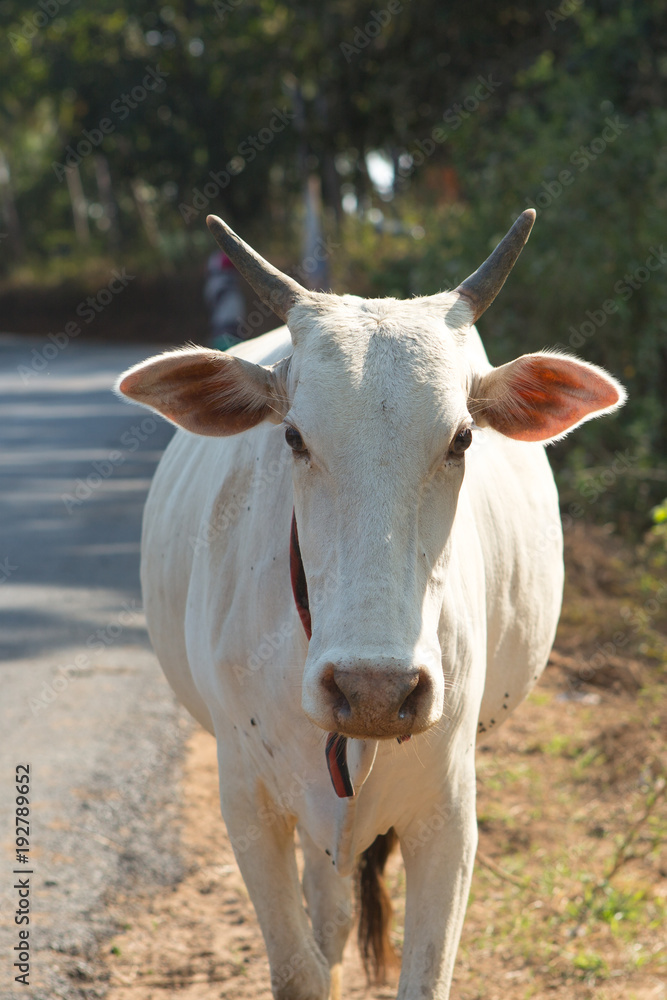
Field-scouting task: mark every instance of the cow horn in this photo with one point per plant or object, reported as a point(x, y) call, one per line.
point(481, 288)
point(275, 289)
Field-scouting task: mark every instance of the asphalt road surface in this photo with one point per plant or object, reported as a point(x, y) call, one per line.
point(83, 702)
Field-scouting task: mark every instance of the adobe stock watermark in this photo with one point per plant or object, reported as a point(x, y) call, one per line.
point(281, 977)
point(104, 468)
point(565, 10)
point(581, 158)
point(340, 920)
point(99, 640)
point(624, 289)
point(454, 116)
point(590, 490)
point(246, 152)
point(259, 311)
point(6, 569)
point(87, 310)
point(428, 828)
point(226, 516)
point(41, 15)
point(271, 642)
point(224, 7)
point(266, 651)
point(153, 83)
point(636, 620)
point(595, 486)
point(377, 22)
point(267, 815)
point(151, 760)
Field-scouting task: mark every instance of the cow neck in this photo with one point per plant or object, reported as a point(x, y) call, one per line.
point(336, 747)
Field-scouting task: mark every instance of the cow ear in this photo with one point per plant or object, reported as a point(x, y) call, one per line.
point(540, 397)
point(205, 391)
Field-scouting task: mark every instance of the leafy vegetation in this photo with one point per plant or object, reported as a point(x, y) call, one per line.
point(123, 124)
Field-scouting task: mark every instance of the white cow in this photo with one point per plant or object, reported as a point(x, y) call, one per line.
point(431, 551)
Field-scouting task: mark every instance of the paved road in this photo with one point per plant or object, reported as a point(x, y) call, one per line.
point(82, 699)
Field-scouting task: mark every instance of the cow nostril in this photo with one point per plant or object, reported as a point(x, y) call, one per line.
point(421, 689)
point(339, 702)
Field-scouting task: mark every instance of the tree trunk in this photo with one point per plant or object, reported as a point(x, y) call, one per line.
point(146, 213)
point(9, 213)
point(107, 199)
point(79, 204)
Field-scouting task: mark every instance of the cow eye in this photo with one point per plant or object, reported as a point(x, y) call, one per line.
point(462, 441)
point(294, 440)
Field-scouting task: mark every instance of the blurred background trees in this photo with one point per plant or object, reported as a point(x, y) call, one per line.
point(419, 132)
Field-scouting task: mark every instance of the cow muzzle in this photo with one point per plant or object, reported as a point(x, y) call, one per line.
point(375, 699)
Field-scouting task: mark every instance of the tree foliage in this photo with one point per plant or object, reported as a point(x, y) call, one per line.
point(478, 109)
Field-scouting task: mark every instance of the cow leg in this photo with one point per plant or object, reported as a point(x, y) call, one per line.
point(264, 847)
point(329, 899)
point(439, 851)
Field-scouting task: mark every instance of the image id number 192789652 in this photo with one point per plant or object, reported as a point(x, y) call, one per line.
point(22, 880)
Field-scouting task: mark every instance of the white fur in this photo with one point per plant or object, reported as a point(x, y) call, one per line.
point(413, 557)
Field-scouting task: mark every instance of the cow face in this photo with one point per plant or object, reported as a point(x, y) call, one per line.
point(378, 425)
point(379, 401)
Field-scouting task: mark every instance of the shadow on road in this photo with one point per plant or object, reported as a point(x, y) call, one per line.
point(84, 703)
point(75, 466)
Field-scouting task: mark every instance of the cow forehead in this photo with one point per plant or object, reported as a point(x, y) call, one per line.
point(334, 315)
point(362, 355)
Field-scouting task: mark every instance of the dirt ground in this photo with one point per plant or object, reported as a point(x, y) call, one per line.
point(569, 897)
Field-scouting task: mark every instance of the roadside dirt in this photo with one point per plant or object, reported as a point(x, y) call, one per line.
point(570, 788)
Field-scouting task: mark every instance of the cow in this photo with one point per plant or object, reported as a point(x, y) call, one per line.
point(351, 565)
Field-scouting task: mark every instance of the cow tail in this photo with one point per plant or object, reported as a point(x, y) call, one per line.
point(375, 909)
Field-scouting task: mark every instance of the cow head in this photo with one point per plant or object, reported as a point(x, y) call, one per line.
point(379, 401)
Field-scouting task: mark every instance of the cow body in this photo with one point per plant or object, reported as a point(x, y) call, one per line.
point(223, 622)
point(432, 553)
